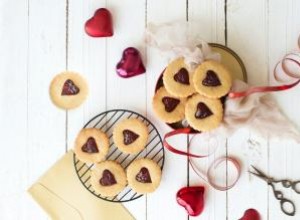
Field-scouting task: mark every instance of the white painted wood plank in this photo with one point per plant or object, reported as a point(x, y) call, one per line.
point(249, 192)
point(13, 110)
point(283, 33)
point(46, 123)
point(162, 203)
point(28, 62)
point(209, 17)
point(247, 35)
point(130, 93)
point(87, 56)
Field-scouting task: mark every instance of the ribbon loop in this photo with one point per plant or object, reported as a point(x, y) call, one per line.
point(209, 175)
point(286, 73)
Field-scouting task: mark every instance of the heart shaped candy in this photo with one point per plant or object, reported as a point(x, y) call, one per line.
point(100, 25)
point(192, 199)
point(250, 214)
point(131, 63)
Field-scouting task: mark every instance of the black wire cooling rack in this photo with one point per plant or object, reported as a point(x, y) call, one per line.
point(106, 121)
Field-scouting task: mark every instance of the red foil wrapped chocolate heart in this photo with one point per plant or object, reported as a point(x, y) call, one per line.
point(100, 25)
point(131, 63)
point(192, 199)
point(250, 214)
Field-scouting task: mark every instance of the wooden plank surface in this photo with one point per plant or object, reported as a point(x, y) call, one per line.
point(39, 39)
point(175, 169)
point(209, 19)
point(248, 37)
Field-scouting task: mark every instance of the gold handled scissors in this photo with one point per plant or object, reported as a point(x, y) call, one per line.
point(294, 185)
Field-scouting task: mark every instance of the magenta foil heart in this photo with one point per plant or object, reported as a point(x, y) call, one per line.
point(131, 63)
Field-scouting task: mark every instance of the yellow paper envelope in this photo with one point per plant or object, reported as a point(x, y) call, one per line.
point(61, 194)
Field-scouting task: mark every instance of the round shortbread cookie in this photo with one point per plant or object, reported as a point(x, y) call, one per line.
point(202, 113)
point(68, 90)
point(91, 145)
point(177, 79)
point(144, 175)
point(130, 135)
point(212, 79)
point(167, 107)
point(108, 178)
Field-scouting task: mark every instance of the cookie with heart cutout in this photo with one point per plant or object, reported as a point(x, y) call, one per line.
point(143, 175)
point(108, 178)
point(130, 135)
point(177, 79)
point(212, 79)
point(167, 107)
point(91, 145)
point(68, 90)
point(202, 113)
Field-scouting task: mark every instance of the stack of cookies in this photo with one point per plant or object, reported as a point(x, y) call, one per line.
point(193, 95)
point(109, 177)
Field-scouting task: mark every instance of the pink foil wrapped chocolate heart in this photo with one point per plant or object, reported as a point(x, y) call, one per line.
point(131, 63)
point(100, 25)
point(250, 214)
point(192, 199)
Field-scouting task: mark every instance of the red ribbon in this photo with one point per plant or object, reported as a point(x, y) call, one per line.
point(252, 90)
point(213, 166)
point(289, 57)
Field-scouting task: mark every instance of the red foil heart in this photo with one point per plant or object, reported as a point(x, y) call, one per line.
point(100, 25)
point(131, 63)
point(251, 214)
point(192, 199)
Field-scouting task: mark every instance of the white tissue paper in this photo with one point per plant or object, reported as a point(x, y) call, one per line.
point(180, 40)
point(257, 112)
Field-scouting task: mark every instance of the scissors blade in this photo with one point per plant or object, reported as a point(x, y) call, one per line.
point(259, 174)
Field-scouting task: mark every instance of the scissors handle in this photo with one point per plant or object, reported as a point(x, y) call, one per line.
point(296, 186)
point(284, 202)
point(288, 183)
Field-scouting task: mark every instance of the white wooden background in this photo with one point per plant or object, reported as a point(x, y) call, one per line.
point(40, 38)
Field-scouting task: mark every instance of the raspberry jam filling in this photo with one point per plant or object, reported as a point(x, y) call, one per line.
point(69, 88)
point(129, 137)
point(202, 111)
point(90, 146)
point(143, 176)
point(170, 103)
point(107, 179)
point(182, 76)
point(211, 79)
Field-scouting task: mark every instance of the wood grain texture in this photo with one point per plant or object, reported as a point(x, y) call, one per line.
point(175, 169)
point(248, 37)
point(127, 93)
point(209, 17)
point(52, 39)
point(13, 184)
point(284, 30)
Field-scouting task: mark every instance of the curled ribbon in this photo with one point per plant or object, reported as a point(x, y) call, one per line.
point(191, 159)
point(294, 58)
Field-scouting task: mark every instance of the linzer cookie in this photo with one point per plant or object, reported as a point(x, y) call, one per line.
point(212, 79)
point(202, 113)
point(108, 178)
point(91, 145)
point(68, 90)
point(144, 175)
point(167, 107)
point(130, 135)
point(177, 79)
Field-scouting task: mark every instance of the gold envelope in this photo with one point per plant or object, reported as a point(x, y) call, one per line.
point(61, 194)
